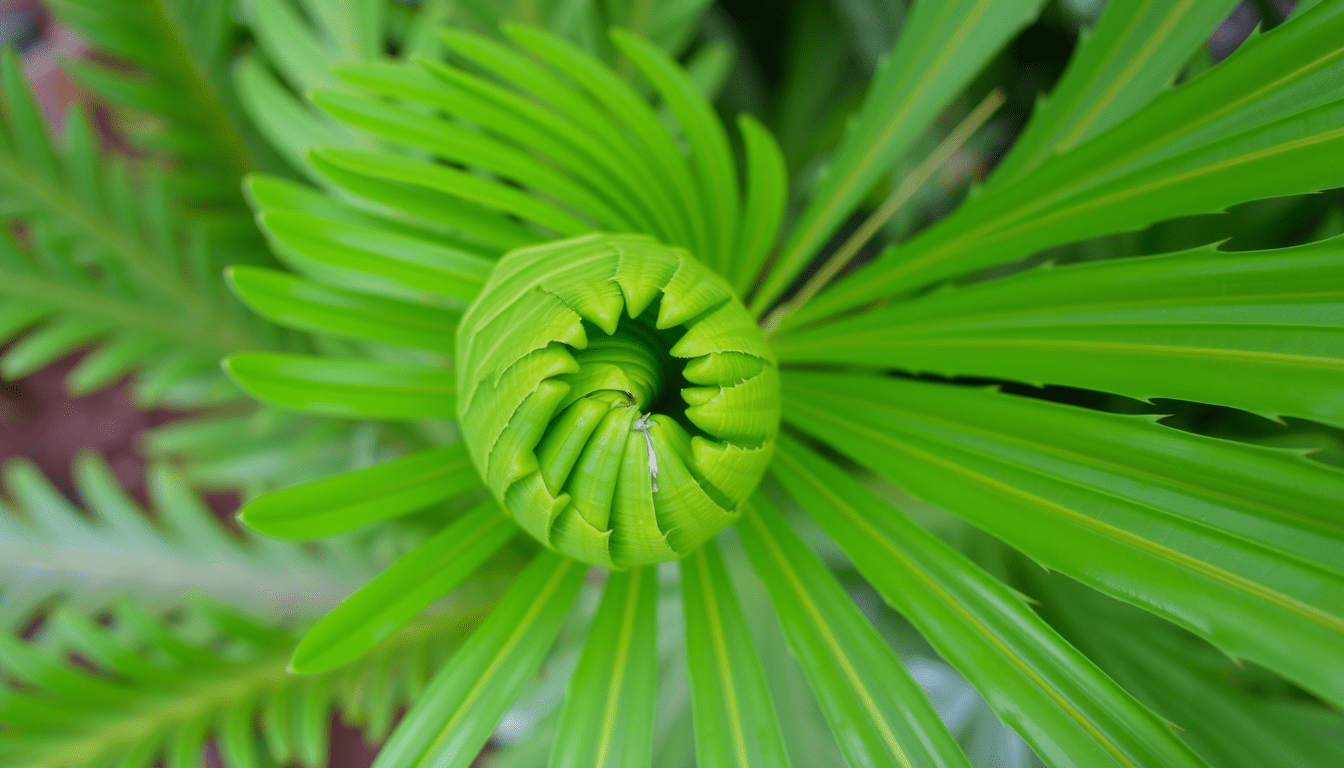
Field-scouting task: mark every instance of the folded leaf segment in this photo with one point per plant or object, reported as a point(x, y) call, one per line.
point(569, 410)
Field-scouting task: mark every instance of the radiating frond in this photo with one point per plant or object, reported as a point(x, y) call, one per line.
point(1237, 543)
point(1254, 127)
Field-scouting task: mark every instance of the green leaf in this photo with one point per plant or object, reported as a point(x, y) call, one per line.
point(877, 712)
point(735, 720)
point(942, 46)
point(1136, 50)
point(310, 306)
point(49, 550)
point(1069, 711)
point(655, 151)
point(607, 718)
point(146, 689)
point(1237, 543)
point(1261, 331)
point(457, 144)
point(179, 52)
point(1253, 127)
point(458, 711)
point(359, 389)
point(349, 500)
point(441, 178)
point(766, 194)
point(412, 263)
point(302, 57)
point(288, 125)
point(415, 581)
point(711, 158)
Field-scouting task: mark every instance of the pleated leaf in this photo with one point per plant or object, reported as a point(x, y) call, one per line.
point(1066, 708)
point(1239, 544)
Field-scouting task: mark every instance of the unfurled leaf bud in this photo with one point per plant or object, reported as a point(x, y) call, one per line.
point(616, 397)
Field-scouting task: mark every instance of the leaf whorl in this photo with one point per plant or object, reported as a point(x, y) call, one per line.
point(566, 366)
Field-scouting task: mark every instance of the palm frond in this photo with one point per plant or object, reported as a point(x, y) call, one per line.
point(140, 690)
point(109, 261)
point(55, 552)
point(178, 52)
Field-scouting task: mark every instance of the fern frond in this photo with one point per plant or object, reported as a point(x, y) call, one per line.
point(111, 262)
point(180, 52)
point(52, 551)
point(160, 690)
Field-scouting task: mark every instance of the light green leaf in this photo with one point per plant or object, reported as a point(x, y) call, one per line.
point(1237, 543)
point(1069, 711)
point(457, 712)
point(765, 196)
point(360, 389)
point(413, 263)
point(942, 46)
point(1255, 126)
point(347, 501)
point(310, 306)
point(1136, 50)
point(1262, 331)
point(607, 718)
point(441, 178)
point(711, 158)
point(415, 581)
point(878, 713)
point(735, 720)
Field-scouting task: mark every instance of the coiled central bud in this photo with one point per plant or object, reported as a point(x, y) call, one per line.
point(616, 397)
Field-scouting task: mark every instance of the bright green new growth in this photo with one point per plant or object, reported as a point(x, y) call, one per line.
point(570, 410)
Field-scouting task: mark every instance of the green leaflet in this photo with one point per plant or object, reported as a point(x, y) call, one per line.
point(1237, 543)
point(357, 389)
point(1260, 331)
point(412, 264)
point(1067, 709)
point(1253, 127)
point(941, 47)
point(411, 584)
point(107, 262)
point(591, 152)
point(50, 550)
point(457, 712)
point(607, 718)
point(1190, 683)
point(878, 713)
point(311, 306)
point(1135, 51)
point(735, 720)
point(162, 689)
point(180, 51)
point(568, 412)
point(343, 502)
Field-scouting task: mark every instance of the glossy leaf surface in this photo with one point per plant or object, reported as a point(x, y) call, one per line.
point(1237, 543)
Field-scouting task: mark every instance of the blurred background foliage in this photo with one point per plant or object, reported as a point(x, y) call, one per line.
point(97, 417)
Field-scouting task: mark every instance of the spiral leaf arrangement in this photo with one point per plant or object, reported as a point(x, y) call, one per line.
point(566, 407)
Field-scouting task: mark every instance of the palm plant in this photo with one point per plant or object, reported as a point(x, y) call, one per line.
point(538, 320)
